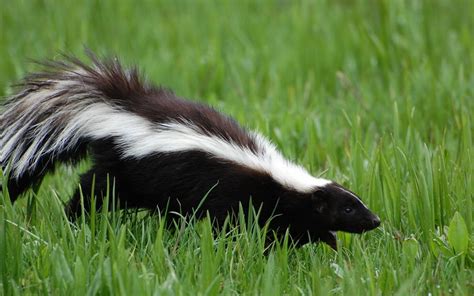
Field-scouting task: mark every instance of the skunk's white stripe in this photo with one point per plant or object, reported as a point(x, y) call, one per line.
point(355, 196)
point(87, 117)
point(139, 138)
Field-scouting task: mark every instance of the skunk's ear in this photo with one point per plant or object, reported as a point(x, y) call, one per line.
point(319, 200)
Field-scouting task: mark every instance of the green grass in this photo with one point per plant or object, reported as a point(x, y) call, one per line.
point(378, 95)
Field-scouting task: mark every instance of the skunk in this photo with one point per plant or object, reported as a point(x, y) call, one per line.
point(163, 152)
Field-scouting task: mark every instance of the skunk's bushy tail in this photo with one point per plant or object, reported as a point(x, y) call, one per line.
point(58, 112)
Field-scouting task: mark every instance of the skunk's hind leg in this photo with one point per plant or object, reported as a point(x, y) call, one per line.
point(92, 183)
point(17, 187)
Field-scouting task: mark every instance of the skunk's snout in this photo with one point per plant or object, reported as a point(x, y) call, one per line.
point(372, 222)
point(375, 221)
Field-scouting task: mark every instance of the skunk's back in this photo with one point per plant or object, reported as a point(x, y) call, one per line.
point(56, 113)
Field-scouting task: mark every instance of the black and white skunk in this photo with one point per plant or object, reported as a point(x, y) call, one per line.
point(163, 152)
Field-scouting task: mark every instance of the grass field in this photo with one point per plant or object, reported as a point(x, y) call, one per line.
point(378, 95)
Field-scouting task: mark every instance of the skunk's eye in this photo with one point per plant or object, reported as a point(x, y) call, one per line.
point(347, 210)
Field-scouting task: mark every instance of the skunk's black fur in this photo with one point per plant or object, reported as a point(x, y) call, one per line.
point(162, 152)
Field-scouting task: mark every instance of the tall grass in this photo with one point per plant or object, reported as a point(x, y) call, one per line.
point(378, 95)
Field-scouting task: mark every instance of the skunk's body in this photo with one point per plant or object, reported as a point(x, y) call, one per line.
point(162, 152)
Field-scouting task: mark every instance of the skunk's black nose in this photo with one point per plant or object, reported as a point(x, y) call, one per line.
point(376, 221)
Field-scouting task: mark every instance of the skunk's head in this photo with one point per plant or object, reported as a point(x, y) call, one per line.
point(339, 209)
point(317, 215)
